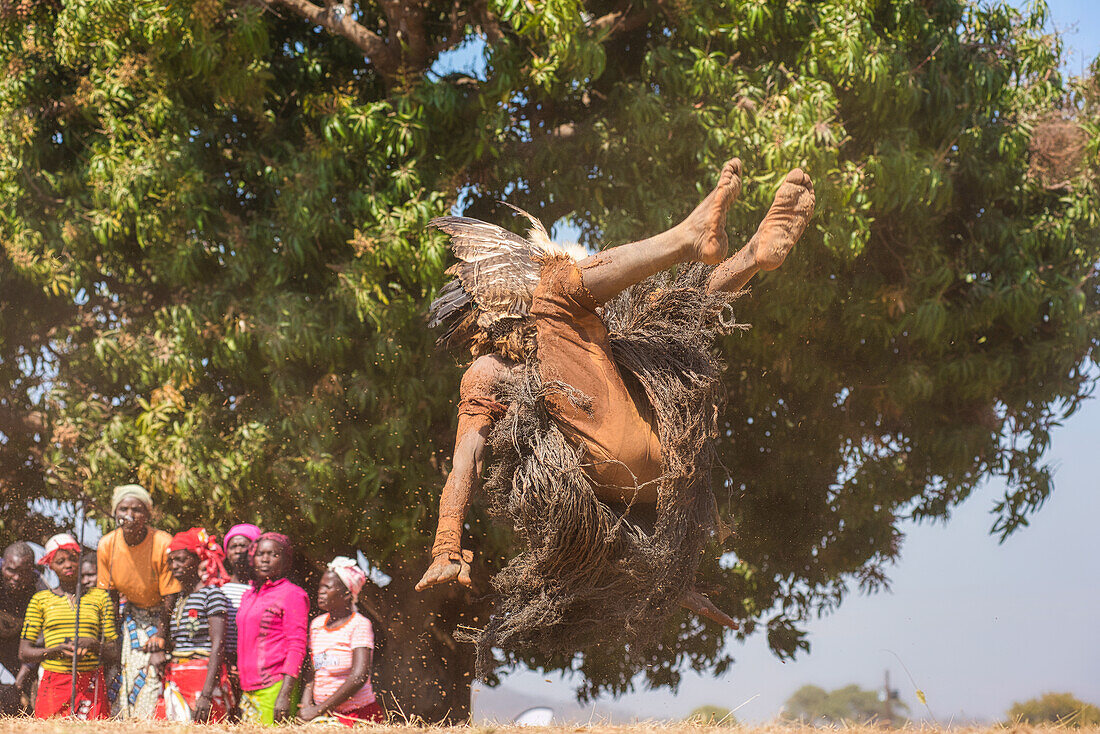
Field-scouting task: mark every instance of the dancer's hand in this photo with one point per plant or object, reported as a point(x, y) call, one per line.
point(704, 607)
point(446, 567)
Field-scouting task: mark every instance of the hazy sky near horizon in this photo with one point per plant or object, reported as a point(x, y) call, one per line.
point(977, 624)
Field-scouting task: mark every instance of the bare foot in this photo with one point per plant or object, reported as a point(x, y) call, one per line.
point(785, 221)
point(704, 607)
point(707, 224)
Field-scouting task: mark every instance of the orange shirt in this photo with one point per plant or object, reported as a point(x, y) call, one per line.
point(138, 572)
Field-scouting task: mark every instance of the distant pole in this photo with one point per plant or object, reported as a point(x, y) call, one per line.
point(79, 519)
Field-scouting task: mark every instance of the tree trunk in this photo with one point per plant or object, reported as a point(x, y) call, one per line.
point(420, 670)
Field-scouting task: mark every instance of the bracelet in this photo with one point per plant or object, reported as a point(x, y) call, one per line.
point(447, 541)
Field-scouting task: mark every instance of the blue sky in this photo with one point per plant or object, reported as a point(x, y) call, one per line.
point(1079, 23)
point(978, 625)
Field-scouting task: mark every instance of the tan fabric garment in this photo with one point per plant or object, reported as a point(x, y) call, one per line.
point(619, 430)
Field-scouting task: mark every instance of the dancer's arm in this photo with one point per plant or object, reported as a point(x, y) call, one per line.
point(477, 411)
point(449, 561)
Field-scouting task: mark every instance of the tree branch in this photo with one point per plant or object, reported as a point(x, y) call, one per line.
point(622, 20)
point(406, 23)
point(14, 421)
point(405, 49)
point(342, 24)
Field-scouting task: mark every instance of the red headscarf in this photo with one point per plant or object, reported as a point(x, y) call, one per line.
point(59, 542)
point(210, 553)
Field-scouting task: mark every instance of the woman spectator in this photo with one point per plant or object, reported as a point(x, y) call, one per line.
point(53, 615)
point(272, 628)
point(341, 643)
point(133, 563)
point(196, 686)
point(239, 565)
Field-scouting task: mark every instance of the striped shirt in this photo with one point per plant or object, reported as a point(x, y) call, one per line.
point(233, 592)
point(333, 649)
point(191, 621)
point(54, 617)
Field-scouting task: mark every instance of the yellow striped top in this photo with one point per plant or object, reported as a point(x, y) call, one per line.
point(54, 616)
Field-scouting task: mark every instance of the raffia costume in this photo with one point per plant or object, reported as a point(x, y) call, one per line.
point(621, 396)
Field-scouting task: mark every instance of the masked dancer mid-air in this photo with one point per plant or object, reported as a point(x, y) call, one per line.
point(593, 396)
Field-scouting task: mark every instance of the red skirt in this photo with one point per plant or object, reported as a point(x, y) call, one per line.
point(372, 712)
point(55, 695)
point(183, 682)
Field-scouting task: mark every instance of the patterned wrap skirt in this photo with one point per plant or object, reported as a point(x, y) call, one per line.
point(141, 685)
point(183, 682)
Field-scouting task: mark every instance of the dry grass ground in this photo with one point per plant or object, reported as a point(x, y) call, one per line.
point(28, 726)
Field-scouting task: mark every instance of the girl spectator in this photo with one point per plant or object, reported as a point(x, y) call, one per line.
point(342, 645)
point(133, 563)
point(88, 570)
point(53, 614)
point(271, 635)
point(196, 686)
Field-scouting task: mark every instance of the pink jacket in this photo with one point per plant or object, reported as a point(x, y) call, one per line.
point(272, 630)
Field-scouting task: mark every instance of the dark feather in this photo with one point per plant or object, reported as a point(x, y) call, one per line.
point(494, 279)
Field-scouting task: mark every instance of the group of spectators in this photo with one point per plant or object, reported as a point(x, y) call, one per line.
point(183, 627)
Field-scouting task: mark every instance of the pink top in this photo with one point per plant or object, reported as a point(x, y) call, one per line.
point(271, 633)
point(331, 650)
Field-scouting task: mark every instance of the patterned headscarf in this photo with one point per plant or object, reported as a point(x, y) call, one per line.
point(206, 547)
point(349, 572)
point(59, 542)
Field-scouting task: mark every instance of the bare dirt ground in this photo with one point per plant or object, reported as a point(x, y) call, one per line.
point(60, 726)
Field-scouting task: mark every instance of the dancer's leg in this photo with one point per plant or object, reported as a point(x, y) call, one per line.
point(784, 223)
point(701, 237)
